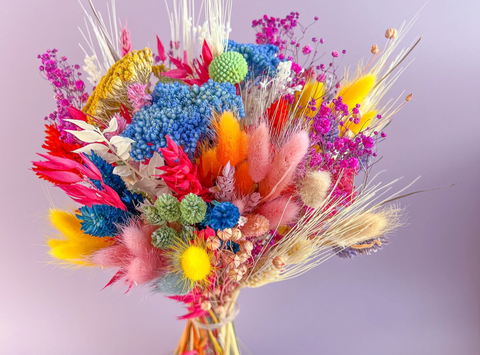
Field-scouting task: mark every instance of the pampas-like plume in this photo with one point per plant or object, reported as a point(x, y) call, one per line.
point(232, 141)
point(283, 166)
point(356, 91)
point(315, 188)
point(259, 153)
point(263, 273)
point(75, 247)
point(280, 211)
point(367, 226)
point(243, 180)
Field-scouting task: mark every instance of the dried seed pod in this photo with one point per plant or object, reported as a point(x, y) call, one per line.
point(374, 49)
point(237, 235)
point(235, 275)
point(206, 306)
point(243, 269)
point(231, 259)
point(246, 247)
point(213, 243)
point(243, 257)
point(278, 262)
point(225, 235)
point(409, 97)
point(217, 291)
point(391, 33)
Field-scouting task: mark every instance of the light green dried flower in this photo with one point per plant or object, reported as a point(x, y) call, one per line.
point(152, 216)
point(164, 237)
point(168, 208)
point(229, 67)
point(193, 209)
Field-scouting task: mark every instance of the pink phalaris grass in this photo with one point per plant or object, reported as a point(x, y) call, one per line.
point(279, 212)
point(125, 41)
point(258, 153)
point(139, 262)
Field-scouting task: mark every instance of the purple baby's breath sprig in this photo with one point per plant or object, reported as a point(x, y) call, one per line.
point(69, 90)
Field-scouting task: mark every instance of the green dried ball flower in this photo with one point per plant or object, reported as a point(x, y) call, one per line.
point(164, 237)
point(168, 208)
point(229, 67)
point(193, 209)
point(152, 216)
point(187, 233)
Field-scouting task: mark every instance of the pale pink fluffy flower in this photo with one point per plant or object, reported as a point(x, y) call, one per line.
point(256, 225)
point(138, 97)
point(258, 153)
point(280, 211)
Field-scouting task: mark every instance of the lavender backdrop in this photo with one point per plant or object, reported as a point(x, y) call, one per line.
point(420, 295)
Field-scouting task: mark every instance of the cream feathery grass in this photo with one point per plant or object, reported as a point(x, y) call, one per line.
point(107, 39)
point(191, 31)
point(322, 231)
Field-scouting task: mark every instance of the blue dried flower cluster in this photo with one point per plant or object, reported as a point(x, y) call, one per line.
point(130, 199)
point(224, 215)
point(262, 59)
point(181, 112)
point(102, 220)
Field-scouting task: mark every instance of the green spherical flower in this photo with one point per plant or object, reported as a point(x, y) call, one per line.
point(229, 67)
point(168, 208)
point(152, 216)
point(164, 237)
point(187, 233)
point(193, 209)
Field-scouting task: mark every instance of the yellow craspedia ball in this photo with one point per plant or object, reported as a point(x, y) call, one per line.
point(195, 263)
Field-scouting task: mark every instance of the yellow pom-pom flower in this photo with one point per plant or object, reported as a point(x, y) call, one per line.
point(192, 261)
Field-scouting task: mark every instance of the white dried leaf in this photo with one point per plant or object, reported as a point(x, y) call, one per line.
point(87, 136)
point(96, 147)
point(112, 126)
point(122, 170)
point(82, 124)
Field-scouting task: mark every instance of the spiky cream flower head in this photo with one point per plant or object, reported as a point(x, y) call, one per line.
point(230, 67)
point(152, 216)
point(168, 208)
point(192, 261)
point(164, 237)
point(193, 209)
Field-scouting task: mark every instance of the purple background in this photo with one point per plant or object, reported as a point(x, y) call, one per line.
point(420, 295)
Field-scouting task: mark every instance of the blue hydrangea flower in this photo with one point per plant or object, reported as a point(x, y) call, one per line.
point(262, 59)
point(181, 112)
point(102, 220)
point(224, 215)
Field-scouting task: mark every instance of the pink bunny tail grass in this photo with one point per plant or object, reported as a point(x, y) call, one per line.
point(137, 237)
point(146, 268)
point(240, 205)
point(284, 164)
point(258, 153)
point(114, 256)
point(280, 211)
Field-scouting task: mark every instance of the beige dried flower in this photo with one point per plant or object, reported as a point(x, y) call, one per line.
point(213, 243)
point(374, 49)
point(278, 262)
point(391, 33)
point(246, 247)
point(206, 306)
point(409, 97)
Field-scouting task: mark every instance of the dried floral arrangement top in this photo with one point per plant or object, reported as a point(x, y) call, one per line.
point(211, 165)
